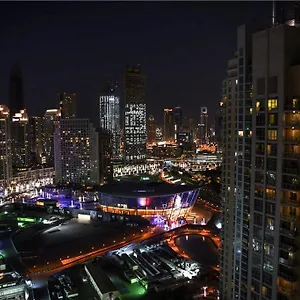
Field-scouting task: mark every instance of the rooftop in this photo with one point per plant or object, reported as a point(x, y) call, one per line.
point(142, 189)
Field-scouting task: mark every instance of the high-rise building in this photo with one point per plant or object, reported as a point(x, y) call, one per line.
point(261, 201)
point(16, 93)
point(151, 130)
point(178, 120)
point(275, 186)
point(159, 134)
point(169, 125)
point(203, 125)
point(76, 152)
point(135, 130)
point(109, 111)
point(5, 144)
point(19, 138)
point(50, 122)
point(286, 12)
point(35, 140)
point(67, 105)
point(104, 154)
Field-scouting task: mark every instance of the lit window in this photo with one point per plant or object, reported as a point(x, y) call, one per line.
point(272, 135)
point(272, 104)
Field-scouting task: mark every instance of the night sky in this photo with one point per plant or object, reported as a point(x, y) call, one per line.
point(183, 49)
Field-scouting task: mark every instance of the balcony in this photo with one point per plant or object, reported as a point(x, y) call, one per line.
point(289, 233)
point(292, 123)
point(287, 247)
point(288, 202)
point(289, 218)
point(291, 139)
point(291, 155)
point(288, 291)
point(286, 262)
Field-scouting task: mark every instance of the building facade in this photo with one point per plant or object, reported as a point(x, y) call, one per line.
point(5, 145)
point(50, 123)
point(35, 140)
point(151, 130)
point(76, 152)
point(178, 121)
point(109, 113)
point(19, 138)
point(135, 130)
point(67, 105)
point(203, 126)
point(169, 125)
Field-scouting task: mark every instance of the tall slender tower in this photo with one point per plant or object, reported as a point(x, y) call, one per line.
point(5, 144)
point(135, 115)
point(151, 130)
point(109, 113)
point(169, 125)
point(16, 96)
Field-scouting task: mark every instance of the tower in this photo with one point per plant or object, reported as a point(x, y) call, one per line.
point(169, 125)
point(135, 115)
point(67, 105)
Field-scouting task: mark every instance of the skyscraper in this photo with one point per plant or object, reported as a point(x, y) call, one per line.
point(203, 125)
point(135, 116)
point(169, 125)
point(5, 144)
point(178, 120)
point(109, 112)
point(260, 185)
point(19, 137)
point(275, 181)
point(76, 152)
point(67, 105)
point(151, 130)
point(286, 12)
point(35, 139)
point(50, 123)
point(16, 93)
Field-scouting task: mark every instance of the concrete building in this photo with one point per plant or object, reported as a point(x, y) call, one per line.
point(169, 125)
point(5, 145)
point(135, 130)
point(178, 121)
point(19, 137)
point(151, 130)
point(67, 105)
point(76, 152)
point(109, 113)
point(50, 123)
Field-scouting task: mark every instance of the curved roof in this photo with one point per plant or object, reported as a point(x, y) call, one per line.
point(136, 189)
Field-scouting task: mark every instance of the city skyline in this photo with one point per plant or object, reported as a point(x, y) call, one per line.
point(43, 79)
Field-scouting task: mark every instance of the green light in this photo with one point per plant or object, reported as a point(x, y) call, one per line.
point(31, 220)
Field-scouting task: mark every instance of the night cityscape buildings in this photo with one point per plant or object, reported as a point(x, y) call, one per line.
point(135, 122)
point(169, 125)
point(5, 144)
point(67, 105)
point(151, 130)
point(76, 152)
point(203, 125)
point(109, 113)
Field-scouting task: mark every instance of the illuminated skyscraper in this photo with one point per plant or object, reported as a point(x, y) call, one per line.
point(151, 130)
point(5, 144)
point(203, 125)
point(76, 152)
point(16, 94)
point(178, 120)
point(286, 12)
point(135, 116)
point(19, 137)
point(67, 105)
point(109, 112)
point(169, 125)
point(51, 121)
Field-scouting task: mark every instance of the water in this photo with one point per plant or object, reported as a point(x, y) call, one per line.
point(198, 248)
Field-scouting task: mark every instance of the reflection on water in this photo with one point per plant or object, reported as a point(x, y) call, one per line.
point(198, 248)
